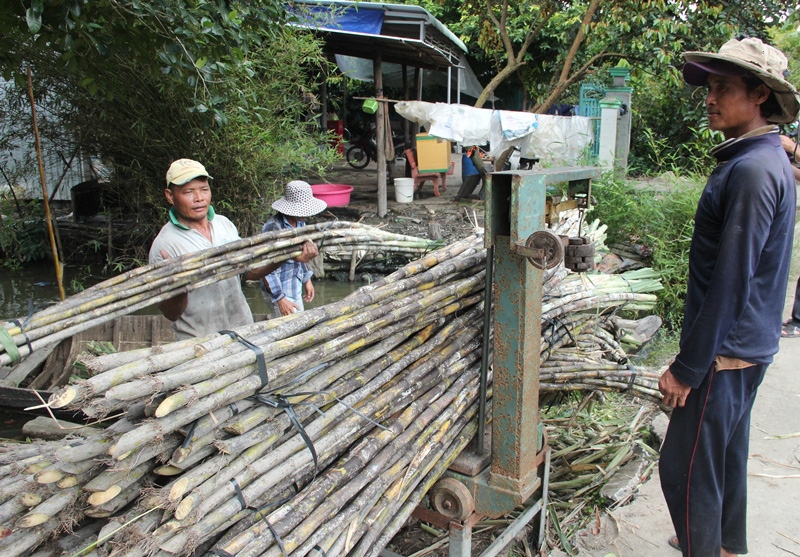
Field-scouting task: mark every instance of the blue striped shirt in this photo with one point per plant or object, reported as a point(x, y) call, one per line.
point(288, 279)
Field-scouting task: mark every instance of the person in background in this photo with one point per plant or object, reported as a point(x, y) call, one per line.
point(290, 285)
point(472, 172)
point(791, 328)
point(738, 272)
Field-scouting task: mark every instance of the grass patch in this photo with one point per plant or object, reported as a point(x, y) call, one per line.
point(660, 214)
point(660, 350)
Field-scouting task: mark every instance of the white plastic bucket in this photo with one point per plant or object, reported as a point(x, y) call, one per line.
point(404, 190)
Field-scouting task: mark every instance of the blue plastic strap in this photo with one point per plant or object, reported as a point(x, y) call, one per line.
point(22, 330)
point(239, 494)
point(262, 365)
point(275, 535)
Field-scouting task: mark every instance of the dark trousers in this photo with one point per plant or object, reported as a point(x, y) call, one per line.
point(703, 463)
point(796, 307)
point(469, 183)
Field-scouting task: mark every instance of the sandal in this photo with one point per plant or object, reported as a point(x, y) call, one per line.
point(790, 329)
point(673, 542)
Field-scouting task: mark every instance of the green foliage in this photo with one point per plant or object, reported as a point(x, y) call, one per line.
point(193, 44)
point(670, 129)
point(251, 151)
point(787, 38)
point(23, 237)
point(659, 214)
point(656, 154)
point(650, 33)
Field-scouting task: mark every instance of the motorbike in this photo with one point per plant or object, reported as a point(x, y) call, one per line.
point(364, 149)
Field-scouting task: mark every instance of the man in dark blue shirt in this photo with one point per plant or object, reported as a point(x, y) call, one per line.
point(738, 272)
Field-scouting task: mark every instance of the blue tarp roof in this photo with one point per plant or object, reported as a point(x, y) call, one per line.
point(345, 19)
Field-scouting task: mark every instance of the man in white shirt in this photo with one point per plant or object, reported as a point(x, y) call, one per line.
point(194, 226)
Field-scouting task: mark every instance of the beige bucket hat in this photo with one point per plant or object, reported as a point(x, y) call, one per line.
point(740, 57)
point(298, 201)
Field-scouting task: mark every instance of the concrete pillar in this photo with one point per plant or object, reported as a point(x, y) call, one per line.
point(623, 93)
point(609, 115)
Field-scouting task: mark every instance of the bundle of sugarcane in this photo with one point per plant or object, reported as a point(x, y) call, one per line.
point(213, 413)
point(436, 388)
point(421, 375)
point(380, 390)
point(445, 288)
point(151, 284)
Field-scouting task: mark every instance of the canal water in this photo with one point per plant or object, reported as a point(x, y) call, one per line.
point(35, 286)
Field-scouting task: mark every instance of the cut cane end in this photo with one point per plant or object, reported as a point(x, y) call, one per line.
point(184, 508)
point(178, 490)
point(102, 497)
point(68, 481)
point(30, 499)
point(66, 396)
point(32, 519)
point(36, 468)
point(48, 476)
point(165, 408)
point(166, 528)
point(180, 454)
point(113, 452)
point(168, 470)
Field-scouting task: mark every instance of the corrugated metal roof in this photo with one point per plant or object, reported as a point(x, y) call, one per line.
point(409, 35)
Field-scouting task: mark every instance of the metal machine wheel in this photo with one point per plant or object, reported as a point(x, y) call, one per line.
point(552, 248)
point(357, 157)
point(451, 498)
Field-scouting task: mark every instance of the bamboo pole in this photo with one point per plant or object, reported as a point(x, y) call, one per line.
point(59, 275)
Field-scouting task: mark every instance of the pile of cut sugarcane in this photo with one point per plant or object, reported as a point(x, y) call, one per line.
point(320, 431)
point(151, 284)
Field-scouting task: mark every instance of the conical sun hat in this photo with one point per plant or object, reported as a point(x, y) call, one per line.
point(750, 55)
point(298, 200)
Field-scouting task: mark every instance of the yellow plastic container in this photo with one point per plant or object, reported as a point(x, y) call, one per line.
point(433, 154)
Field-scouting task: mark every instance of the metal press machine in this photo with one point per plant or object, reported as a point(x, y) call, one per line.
point(510, 467)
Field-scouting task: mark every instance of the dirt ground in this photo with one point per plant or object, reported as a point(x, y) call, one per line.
point(451, 219)
point(642, 527)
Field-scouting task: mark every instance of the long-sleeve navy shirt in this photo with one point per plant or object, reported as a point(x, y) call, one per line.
point(739, 258)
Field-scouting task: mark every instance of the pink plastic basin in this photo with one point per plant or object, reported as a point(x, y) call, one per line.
point(335, 195)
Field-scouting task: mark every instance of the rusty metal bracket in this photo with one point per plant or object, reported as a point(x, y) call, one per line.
point(437, 519)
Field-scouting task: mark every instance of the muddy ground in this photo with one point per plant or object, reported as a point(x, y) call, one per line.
point(427, 216)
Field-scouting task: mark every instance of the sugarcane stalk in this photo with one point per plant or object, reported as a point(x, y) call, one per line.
point(22, 540)
point(257, 480)
point(48, 509)
point(118, 501)
point(199, 390)
point(103, 382)
point(362, 457)
point(175, 281)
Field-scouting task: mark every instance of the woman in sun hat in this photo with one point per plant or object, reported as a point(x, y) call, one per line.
point(288, 286)
point(738, 272)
